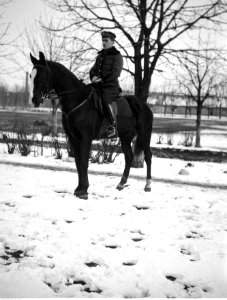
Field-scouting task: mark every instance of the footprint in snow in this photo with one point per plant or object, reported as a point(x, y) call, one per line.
point(192, 290)
point(171, 277)
point(112, 246)
point(71, 281)
point(27, 196)
point(129, 264)
point(10, 204)
point(69, 221)
point(193, 255)
point(91, 264)
point(12, 256)
point(89, 290)
point(60, 191)
point(194, 235)
point(141, 207)
point(137, 239)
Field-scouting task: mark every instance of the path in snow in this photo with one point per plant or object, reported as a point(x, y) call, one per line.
point(171, 242)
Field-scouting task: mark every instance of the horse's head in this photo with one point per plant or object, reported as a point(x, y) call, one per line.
point(40, 80)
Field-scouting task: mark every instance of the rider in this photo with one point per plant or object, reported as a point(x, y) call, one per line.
point(105, 73)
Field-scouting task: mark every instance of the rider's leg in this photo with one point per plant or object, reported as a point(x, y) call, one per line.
point(112, 129)
point(108, 96)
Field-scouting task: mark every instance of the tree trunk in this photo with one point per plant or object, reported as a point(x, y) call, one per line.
point(138, 161)
point(165, 110)
point(142, 79)
point(220, 112)
point(138, 71)
point(198, 123)
point(54, 121)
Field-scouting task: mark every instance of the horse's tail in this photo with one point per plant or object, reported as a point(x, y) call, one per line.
point(144, 122)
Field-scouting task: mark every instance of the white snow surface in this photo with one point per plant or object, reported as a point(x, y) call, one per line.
point(171, 242)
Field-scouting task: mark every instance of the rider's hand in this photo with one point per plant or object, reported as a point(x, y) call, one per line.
point(96, 79)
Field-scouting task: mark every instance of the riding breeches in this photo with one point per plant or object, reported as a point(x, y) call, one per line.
point(109, 95)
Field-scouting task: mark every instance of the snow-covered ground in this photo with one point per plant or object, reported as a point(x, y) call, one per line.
point(171, 242)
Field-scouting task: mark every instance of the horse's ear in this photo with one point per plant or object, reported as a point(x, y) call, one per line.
point(42, 59)
point(33, 59)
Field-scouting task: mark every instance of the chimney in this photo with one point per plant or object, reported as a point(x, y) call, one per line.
point(26, 92)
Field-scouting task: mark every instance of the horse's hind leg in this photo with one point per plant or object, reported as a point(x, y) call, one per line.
point(148, 159)
point(127, 150)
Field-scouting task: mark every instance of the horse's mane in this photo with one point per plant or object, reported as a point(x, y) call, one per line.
point(81, 89)
point(56, 65)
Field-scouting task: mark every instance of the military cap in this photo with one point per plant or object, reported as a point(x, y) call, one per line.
point(108, 34)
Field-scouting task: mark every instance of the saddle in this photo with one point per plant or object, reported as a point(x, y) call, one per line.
point(120, 106)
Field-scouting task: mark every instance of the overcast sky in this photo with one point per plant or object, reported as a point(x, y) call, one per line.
point(21, 13)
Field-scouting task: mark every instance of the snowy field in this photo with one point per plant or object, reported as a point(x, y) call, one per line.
point(169, 243)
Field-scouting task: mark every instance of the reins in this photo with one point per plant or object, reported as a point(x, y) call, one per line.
point(67, 114)
point(75, 108)
point(51, 93)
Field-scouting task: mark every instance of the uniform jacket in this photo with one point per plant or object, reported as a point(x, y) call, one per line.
point(108, 66)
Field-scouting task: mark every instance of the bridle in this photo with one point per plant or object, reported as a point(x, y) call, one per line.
point(52, 95)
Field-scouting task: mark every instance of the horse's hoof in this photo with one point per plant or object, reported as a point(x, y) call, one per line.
point(77, 193)
point(120, 187)
point(83, 196)
point(148, 186)
point(147, 189)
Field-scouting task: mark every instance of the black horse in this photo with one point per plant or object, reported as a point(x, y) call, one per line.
point(82, 121)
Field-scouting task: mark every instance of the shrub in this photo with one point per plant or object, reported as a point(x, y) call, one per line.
point(24, 144)
point(106, 151)
point(57, 147)
point(169, 138)
point(10, 141)
point(160, 138)
point(187, 139)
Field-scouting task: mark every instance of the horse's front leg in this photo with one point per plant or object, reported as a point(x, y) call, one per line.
point(75, 144)
point(78, 190)
point(85, 147)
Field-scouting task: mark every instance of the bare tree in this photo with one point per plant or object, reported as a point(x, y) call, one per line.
point(4, 43)
point(147, 29)
point(220, 91)
point(199, 79)
point(4, 92)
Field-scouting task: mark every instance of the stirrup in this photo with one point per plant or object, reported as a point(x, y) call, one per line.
point(111, 131)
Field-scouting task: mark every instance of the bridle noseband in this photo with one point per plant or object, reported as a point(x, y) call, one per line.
point(50, 93)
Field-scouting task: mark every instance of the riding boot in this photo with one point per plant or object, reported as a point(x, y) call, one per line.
point(112, 129)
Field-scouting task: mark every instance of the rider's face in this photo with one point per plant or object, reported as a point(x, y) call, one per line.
point(107, 43)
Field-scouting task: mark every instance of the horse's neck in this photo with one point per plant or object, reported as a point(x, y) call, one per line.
point(68, 88)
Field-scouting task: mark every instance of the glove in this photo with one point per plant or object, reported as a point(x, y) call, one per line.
point(96, 79)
